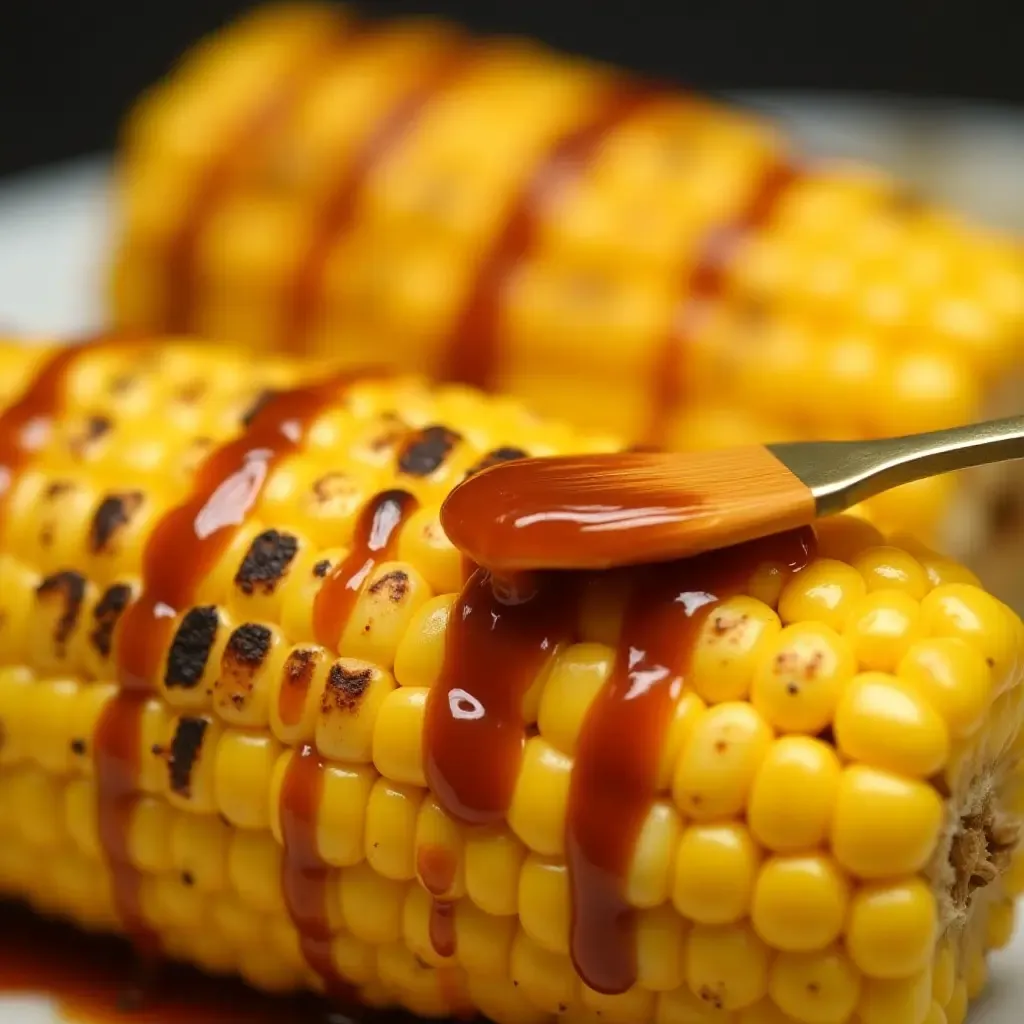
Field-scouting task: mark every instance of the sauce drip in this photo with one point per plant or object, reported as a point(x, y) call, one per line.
point(27, 424)
point(494, 651)
point(472, 350)
point(183, 547)
point(304, 872)
point(217, 178)
point(615, 777)
point(374, 542)
point(436, 867)
point(95, 979)
point(341, 205)
point(706, 280)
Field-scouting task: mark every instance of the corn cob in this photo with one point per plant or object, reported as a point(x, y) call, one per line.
point(620, 256)
point(256, 716)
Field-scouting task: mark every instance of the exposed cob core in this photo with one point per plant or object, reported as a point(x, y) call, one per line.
point(618, 254)
point(255, 715)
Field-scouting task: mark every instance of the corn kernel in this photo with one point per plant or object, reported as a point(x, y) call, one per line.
point(825, 592)
point(254, 866)
point(999, 926)
point(370, 904)
point(900, 1001)
point(845, 537)
point(242, 772)
point(398, 735)
point(494, 858)
point(794, 764)
point(483, 943)
point(349, 706)
point(420, 652)
point(685, 714)
point(805, 669)
point(544, 903)
point(392, 813)
point(577, 676)
point(546, 979)
point(649, 879)
point(540, 798)
point(717, 767)
point(815, 988)
point(661, 936)
point(726, 965)
point(892, 568)
point(715, 870)
point(800, 902)
point(953, 677)
point(881, 628)
point(892, 927)
point(683, 1007)
point(199, 851)
point(729, 648)
point(884, 725)
point(884, 825)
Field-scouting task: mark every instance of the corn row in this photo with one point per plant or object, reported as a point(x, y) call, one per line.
point(880, 682)
point(623, 257)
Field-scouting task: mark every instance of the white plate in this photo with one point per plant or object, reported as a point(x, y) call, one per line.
point(53, 229)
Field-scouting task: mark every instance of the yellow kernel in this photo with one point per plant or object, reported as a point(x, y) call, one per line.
point(965, 611)
point(241, 776)
point(884, 826)
point(254, 870)
point(717, 767)
point(544, 908)
point(341, 817)
point(577, 676)
point(715, 870)
point(844, 537)
point(881, 628)
point(649, 880)
point(370, 904)
point(794, 764)
point(803, 671)
point(729, 648)
point(494, 858)
point(685, 715)
point(726, 965)
point(420, 652)
point(953, 677)
point(884, 725)
point(898, 1001)
point(483, 942)
point(660, 943)
point(824, 592)
point(547, 979)
point(975, 972)
point(892, 928)
point(540, 797)
point(892, 568)
point(392, 814)
point(815, 988)
point(398, 735)
point(800, 902)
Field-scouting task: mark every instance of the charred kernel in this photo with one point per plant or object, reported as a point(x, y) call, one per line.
point(345, 688)
point(105, 615)
point(68, 587)
point(247, 646)
point(112, 514)
point(191, 647)
point(94, 428)
point(395, 584)
point(425, 452)
point(79, 747)
point(184, 752)
point(803, 671)
point(322, 568)
point(266, 562)
point(494, 458)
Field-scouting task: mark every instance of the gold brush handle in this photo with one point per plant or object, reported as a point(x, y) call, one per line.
point(842, 473)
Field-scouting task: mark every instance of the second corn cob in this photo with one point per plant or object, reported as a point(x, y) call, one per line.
point(255, 716)
point(621, 256)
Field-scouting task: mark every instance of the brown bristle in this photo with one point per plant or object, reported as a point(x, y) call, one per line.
point(599, 511)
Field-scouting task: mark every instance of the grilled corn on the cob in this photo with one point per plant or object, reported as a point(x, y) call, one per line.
point(622, 257)
point(255, 715)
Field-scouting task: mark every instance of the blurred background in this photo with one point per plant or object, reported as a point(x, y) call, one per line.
point(932, 89)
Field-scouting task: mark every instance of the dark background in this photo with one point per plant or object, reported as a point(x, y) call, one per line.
point(68, 70)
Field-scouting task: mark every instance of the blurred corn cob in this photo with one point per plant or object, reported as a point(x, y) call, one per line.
point(624, 257)
point(211, 745)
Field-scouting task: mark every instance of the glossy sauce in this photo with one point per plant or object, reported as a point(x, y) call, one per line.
point(475, 730)
point(705, 283)
point(339, 210)
point(472, 349)
point(304, 874)
point(182, 549)
point(217, 177)
point(495, 650)
point(374, 541)
point(97, 980)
